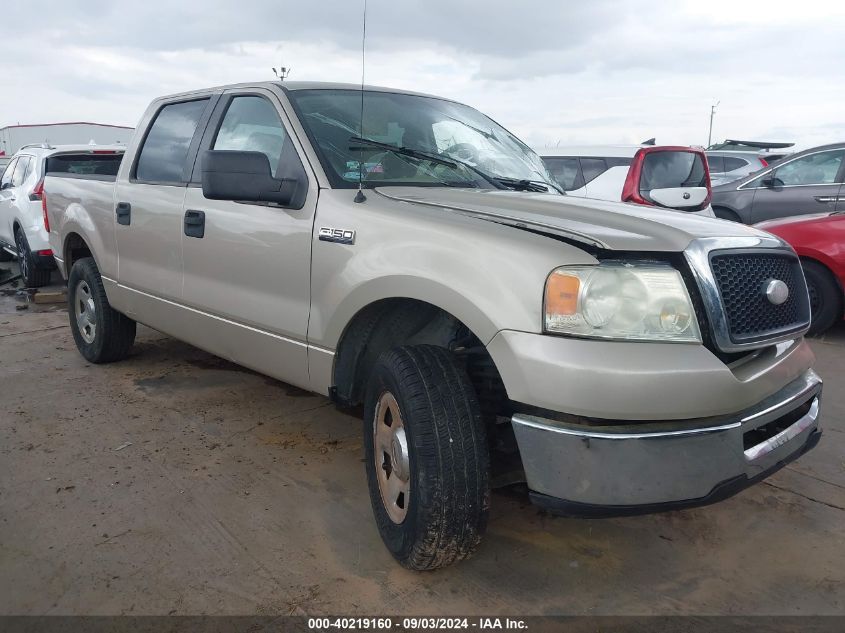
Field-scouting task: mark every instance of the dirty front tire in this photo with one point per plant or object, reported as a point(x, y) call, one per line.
point(441, 518)
point(102, 334)
point(32, 277)
point(825, 297)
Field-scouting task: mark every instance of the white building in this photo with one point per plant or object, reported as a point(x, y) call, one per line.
point(13, 137)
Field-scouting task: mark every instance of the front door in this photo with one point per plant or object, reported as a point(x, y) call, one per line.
point(804, 185)
point(247, 266)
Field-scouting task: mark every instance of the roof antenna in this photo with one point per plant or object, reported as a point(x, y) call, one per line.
point(360, 197)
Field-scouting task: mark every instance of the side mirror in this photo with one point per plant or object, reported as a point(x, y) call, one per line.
point(5, 185)
point(244, 177)
point(772, 182)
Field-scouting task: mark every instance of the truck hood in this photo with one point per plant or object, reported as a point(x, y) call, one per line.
point(606, 225)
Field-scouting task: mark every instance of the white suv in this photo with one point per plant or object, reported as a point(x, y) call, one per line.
point(668, 176)
point(24, 228)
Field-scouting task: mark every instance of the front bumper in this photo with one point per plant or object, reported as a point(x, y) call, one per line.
point(579, 469)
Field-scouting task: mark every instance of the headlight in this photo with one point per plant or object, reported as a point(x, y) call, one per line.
point(620, 300)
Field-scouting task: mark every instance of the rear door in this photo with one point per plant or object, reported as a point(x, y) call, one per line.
point(148, 209)
point(840, 199)
point(7, 199)
point(804, 185)
point(247, 270)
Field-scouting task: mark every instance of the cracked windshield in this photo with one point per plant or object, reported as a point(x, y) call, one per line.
point(415, 140)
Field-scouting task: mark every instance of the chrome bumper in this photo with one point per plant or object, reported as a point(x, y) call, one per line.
point(574, 467)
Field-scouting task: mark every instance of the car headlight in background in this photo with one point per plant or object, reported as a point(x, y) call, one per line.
point(618, 300)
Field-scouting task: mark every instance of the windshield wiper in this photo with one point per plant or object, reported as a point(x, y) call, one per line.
point(403, 151)
point(539, 186)
point(500, 182)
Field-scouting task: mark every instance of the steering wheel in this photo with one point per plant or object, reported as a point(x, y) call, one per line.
point(463, 151)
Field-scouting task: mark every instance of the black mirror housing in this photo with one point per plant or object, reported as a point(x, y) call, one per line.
point(247, 177)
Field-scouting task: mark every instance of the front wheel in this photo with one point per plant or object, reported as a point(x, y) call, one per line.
point(102, 334)
point(825, 297)
point(427, 457)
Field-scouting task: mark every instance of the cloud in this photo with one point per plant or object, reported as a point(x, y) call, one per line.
point(592, 72)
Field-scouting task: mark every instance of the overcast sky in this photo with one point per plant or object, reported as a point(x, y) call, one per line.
point(597, 71)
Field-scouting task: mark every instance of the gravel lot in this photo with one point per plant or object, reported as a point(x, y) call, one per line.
point(176, 482)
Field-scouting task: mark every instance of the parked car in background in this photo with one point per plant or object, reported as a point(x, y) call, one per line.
point(728, 166)
point(337, 238)
point(820, 242)
point(808, 182)
point(770, 152)
point(664, 176)
point(24, 227)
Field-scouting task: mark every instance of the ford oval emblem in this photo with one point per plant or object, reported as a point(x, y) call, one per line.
point(686, 195)
point(776, 291)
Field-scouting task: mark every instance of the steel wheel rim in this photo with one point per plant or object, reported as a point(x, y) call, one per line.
point(85, 312)
point(392, 458)
point(23, 263)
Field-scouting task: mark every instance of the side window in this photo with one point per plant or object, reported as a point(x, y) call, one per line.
point(165, 150)
point(7, 175)
point(20, 171)
point(252, 124)
point(593, 168)
point(718, 164)
point(566, 172)
point(734, 163)
point(815, 169)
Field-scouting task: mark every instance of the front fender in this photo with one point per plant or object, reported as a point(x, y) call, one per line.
point(489, 276)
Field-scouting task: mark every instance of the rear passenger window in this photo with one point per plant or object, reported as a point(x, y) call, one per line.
point(716, 164)
point(734, 163)
point(593, 168)
point(165, 150)
point(566, 172)
point(21, 170)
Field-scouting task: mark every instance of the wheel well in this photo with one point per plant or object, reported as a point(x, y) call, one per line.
point(728, 214)
point(805, 258)
point(389, 323)
point(75, 249)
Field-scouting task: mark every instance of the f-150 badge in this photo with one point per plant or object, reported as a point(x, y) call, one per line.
point(342, 236)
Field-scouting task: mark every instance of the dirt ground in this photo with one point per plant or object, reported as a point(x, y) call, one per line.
point(177, 483)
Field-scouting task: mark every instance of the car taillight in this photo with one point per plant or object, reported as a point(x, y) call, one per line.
point(38, 194)
point(764, 162)
point(631, 189)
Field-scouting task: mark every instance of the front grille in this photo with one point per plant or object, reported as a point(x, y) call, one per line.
point(741, 278)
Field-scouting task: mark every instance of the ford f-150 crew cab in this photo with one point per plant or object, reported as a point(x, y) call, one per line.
point(417, 259)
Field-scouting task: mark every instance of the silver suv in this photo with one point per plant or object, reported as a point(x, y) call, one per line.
point(804, 183)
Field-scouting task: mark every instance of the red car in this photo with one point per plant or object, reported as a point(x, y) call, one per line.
point(820, 242)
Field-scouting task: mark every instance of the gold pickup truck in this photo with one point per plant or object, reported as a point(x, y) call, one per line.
point(407, 253)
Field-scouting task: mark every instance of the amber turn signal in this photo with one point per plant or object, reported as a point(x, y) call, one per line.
point(562, 294)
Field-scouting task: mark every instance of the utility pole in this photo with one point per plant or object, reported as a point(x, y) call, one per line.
point(712, 113)
point(281, 73)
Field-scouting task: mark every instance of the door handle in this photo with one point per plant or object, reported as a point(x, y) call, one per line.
point(195, 223)
point(123, 210)
point(825, 199)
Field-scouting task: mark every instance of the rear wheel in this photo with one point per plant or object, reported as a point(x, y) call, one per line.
point(32, 277)
point(825, 296)
point(102, 334)
point(427, 457)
